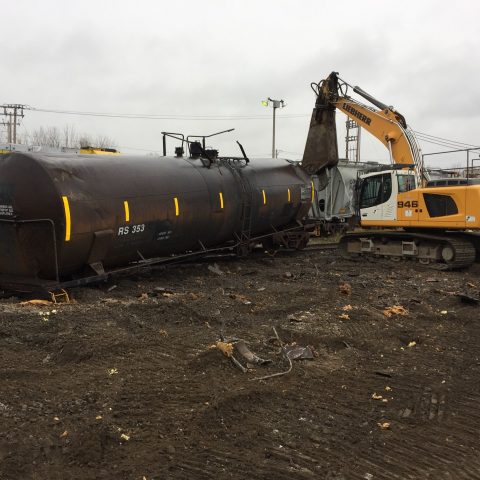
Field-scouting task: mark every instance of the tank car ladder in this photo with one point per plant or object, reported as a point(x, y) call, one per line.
point(244, 236)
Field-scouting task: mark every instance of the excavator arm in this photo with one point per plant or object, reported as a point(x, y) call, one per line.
point(385, 123)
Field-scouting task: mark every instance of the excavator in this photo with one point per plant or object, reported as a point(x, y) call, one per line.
point(401, 211)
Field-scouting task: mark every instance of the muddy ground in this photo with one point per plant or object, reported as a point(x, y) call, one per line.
point(124, 384)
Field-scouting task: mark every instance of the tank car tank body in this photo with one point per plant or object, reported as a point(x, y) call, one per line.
point(64, 215)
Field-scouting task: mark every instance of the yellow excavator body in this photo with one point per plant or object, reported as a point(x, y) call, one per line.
point(445, 208)
point(433, 221)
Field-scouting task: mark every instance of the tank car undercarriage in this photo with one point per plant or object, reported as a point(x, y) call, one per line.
point(295, 237)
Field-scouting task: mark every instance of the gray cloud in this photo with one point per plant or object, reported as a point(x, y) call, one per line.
point(224, 57)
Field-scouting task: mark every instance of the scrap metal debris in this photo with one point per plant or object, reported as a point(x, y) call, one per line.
point(375, 396)
point(240, 298)
point(301, 316)
point(36, 302)
point(162, 290)
point(45, 315)
point(278, 374)
point(345, 288)
point(297, 352)
point(384, 425)
point(225, 347)
point(395, 310)
point(237, 346)
point(248, 355)
point(216, 269)
point(468, 299)
point(60, 296)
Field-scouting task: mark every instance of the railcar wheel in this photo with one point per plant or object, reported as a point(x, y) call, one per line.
point(243, 250)
point(270, 246)
point(303, 242)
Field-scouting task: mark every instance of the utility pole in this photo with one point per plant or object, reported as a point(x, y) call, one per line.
point(275, 104)
point(13, 113)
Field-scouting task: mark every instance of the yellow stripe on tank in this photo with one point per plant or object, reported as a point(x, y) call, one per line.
point(68, 220)
point(127, 210)
point(289, 196)
point(313, 192)
point(264, 197)
point(220, 195)
point(177, 208)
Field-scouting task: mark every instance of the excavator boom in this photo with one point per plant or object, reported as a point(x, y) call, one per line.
point(386, 124)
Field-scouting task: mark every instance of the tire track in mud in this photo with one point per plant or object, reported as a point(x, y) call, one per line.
point(435, 432)
point(447, 444)
point(289, 457)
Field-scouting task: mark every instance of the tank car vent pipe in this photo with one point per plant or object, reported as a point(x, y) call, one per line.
point(243, 152)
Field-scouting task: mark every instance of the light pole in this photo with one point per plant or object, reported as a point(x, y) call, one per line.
point(275, 104)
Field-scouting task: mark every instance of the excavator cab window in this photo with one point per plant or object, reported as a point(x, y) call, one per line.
point(405, 183)
point(376, 190)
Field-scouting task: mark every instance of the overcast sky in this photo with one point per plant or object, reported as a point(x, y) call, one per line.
point(217, 57)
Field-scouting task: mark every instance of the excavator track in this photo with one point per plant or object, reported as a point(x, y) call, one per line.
point(444, 252)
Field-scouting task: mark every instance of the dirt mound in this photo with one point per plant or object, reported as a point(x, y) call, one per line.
point(123, 383)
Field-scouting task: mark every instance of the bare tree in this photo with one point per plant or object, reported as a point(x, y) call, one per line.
point(70, 137)
point(67, 137)
point(84, 141)
point(103, 141)
point(99, 141)
point(54, 137)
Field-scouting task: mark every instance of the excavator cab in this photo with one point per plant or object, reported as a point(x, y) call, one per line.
point(380, 194)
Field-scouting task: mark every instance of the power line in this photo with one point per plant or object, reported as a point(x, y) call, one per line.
point(445, 144)
point(444, 139)
point(163, 117)
point(423, 137)
point(435, 142)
